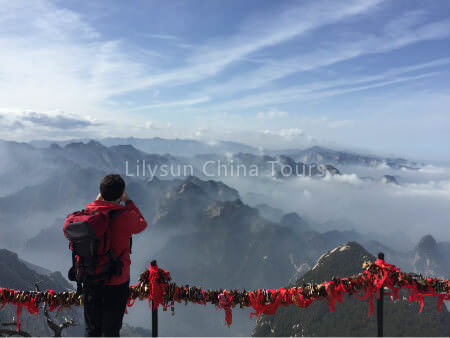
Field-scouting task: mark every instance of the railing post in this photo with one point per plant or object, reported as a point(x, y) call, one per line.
point(154, 321)
point(380, 305)
point(154, 312)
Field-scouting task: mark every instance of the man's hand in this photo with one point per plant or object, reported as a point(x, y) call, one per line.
point(124, 198)
point(99, 197)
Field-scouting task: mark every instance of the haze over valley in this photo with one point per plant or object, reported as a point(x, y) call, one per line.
point(266, 143)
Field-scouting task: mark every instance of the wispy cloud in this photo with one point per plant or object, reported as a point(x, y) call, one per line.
point(322, 89)
point(76, 63)
point(272, 114)
point(214, 56)
point(188, 102)
point(161, 36)
point(396, 36)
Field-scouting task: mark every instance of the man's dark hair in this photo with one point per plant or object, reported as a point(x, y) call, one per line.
point(112, 187)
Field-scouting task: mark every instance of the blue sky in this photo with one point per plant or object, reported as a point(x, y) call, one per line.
point(370, 75)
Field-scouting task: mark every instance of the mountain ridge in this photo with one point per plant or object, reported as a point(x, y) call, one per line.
point(180, 147)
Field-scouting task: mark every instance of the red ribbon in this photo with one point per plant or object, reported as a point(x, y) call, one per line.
point(225, 303)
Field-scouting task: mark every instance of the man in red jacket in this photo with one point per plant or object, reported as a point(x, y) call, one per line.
point(104, 305)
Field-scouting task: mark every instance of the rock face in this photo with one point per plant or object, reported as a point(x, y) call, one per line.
point(184, 202)
point(431, 258)
point(232, 246)
point(402, 318)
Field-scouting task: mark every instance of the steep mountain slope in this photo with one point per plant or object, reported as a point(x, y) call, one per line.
point(402, 318)
point(250, 250)
point(184, 201)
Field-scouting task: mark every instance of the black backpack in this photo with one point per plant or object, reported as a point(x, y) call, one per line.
point(93, 261)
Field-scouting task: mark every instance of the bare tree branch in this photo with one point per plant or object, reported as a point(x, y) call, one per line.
point(57, 328)
point(53, 325)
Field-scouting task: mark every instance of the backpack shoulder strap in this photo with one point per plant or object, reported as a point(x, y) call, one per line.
point(114, 212)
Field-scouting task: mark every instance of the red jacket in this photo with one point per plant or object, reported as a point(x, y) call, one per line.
point(124, 225)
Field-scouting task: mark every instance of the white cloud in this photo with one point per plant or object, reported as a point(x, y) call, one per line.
point(272, 114)
point(431, 169)
point(429, 189)
point(157, 125)
point(352, 179)
point(286, 133)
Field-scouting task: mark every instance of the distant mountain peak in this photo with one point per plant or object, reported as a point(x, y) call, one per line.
point(189, 187)
point(427, 243)
point(351, 253)
point(8, 255)
point(215, 189)
point(230, 213)
point(389, 179)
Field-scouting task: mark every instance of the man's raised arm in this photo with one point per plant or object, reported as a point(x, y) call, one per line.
point(136, 222)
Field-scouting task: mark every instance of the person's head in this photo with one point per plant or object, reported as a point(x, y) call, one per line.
point(112, 187)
